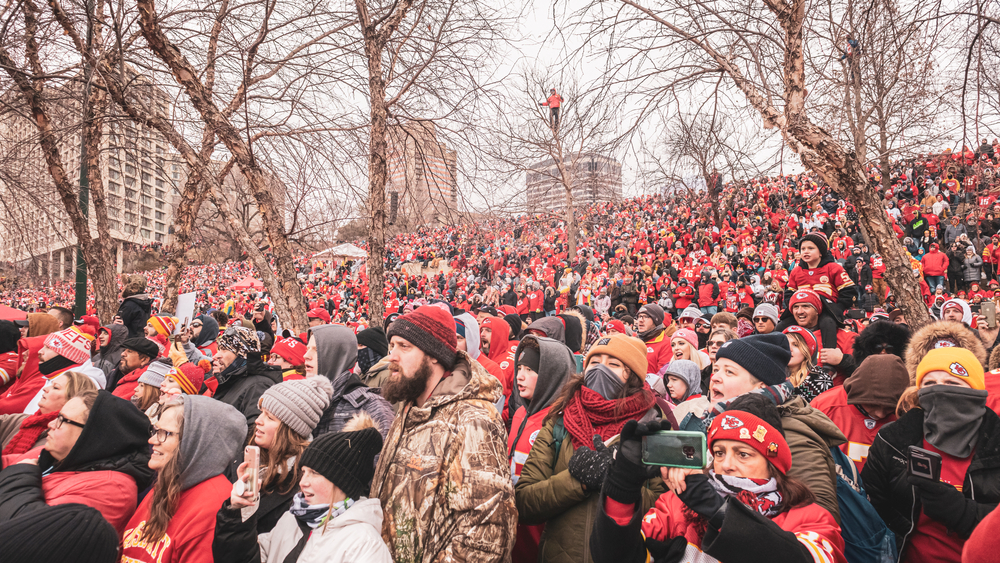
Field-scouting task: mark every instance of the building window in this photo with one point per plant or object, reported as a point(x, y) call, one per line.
point(160, 183)
point(159, 205)
point(160, 215)
point(130, 170)
point(159, 227)
point(146, 233)
point(146, 200)
point(146, 222)
point(114, 174)
point(160, 194)
point(159, 237)
point(146, 177)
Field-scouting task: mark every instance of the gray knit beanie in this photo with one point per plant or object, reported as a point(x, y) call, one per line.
point(155, 373)
point(298, 403)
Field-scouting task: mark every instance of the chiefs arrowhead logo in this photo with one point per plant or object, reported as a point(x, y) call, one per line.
point(730, 422)
point(958, 369)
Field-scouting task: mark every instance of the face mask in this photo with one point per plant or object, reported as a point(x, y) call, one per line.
point(366, 359)
point(952, 417)
point(600, 378)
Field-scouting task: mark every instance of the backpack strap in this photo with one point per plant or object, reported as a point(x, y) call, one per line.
point(559, 434)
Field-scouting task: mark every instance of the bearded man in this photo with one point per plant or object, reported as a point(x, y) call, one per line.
point(443, 477)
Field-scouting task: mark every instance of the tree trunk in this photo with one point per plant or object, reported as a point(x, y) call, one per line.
point(377, 177)
point(184, 217)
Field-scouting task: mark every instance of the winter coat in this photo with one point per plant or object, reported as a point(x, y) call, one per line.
point(106, 468)
point(352, 537)
point(547, 493)
point(658, 350)
point(244, 388)
point(134, 313)
point(19, 394)
point(109, 356)
point(972, 268)
point(925, 339)
point(885, 472)
point(952, 232)
point(708, 294)
point(935, 263)
point(443, 478)
point(745, 536)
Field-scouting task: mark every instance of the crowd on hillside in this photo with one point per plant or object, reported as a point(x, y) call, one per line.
point(509, 406)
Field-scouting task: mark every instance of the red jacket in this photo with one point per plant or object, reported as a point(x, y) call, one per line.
point(708, 294)
point(859, 429)
point(935, 263)
point(812, 525)
point(190, 532)
point(8, 369)
point(127, 384)
point(658, 352)
point(683, 297)
point(827, 279)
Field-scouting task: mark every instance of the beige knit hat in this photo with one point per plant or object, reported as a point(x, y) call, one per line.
point(298, 403)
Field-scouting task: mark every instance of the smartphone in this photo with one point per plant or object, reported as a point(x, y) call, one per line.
point(672, 448)
point(252, 457)
point(975, 307)
point(924, 463)
point(989, 309)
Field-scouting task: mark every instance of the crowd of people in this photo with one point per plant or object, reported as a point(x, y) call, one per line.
point(501, 411)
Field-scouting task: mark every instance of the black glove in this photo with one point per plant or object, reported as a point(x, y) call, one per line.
point(627, 474)
point(703, 499)
point(589, 466)
point(945, 504)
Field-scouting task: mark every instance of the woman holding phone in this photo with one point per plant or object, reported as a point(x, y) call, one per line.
point(289, 414)
point(744, 509)
point(193, 442)
point(933, 518)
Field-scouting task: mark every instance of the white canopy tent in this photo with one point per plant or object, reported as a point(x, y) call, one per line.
point(346, 250)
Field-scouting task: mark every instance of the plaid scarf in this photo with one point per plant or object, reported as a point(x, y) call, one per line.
point(314, 515)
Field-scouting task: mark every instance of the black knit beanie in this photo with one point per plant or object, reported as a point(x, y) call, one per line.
point(765, 356)
point(529, 357)
point(514, 322)
point(347, 459)
point(374, 338)
point(819, 239)
point(64, 533)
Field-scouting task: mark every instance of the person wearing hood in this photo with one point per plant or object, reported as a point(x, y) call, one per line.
point(240, 377)
point(467, 332)
point(58, 352)
point(372, 366)
point(332, 353)
point(865, 403)
point(204, 332)
point(932, 519)
point(759, 364)
point(543, 367)
point(494, 337)
point(289, 413)
point(109, 351)
point(22, 432)
point(9, 335)
point(332, 519)
point(649, 325)
point(137, 354)
point(194, 441)
point(681, 380)
point(567, 462)
point(136, 306)
point(96, 454)
point(446, 423)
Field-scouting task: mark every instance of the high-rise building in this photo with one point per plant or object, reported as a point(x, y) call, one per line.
point(422, 187)
point(595, 178)
point(139, 175)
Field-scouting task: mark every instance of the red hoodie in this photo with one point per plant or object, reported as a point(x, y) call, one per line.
point(500, 349)
point(935, 263)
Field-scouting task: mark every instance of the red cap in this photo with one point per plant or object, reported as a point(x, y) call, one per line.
point(291, 350)
point(759, 435)
point(806, 296)
point(320, 314)
point(617, 325)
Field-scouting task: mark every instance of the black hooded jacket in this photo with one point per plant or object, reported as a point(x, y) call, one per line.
point(134, 313)
point(110, 356)
point(115, 438)
point(244, 386)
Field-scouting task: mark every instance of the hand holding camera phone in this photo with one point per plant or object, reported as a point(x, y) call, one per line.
point(673, 448)
point(248, 486)
point(924, 463)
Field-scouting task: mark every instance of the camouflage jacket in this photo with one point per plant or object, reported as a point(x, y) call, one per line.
point(443, 477)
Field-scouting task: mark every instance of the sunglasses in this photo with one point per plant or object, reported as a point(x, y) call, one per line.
point(761, 319)
point(711, 343)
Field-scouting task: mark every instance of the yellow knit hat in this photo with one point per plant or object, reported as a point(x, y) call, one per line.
point(959, 362)
point(630, 351)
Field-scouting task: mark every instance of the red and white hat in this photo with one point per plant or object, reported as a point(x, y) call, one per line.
point(73, 343)
point(751, 430)
point(291, 350)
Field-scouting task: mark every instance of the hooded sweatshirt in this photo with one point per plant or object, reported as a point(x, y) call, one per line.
point(205, 341)
point(106, 468)
point(213, 434)
point(473, 344)
point(500, 351)
point(336, 354)
point(110, 355)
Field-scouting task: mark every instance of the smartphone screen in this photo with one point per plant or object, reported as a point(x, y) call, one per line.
point(675, 449)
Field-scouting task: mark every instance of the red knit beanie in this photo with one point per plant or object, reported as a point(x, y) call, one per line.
point(806, 296)
point(754, 432)
point(432, 330)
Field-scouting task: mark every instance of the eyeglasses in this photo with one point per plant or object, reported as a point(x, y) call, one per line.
point(643, 316)
point(717, 343)
point(761, 319)
point(160, 434)
point(60, 420)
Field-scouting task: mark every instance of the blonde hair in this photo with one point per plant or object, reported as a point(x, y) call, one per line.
point(693, 354)
point(799, 374)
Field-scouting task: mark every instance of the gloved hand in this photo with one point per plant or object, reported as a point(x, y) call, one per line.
point(945, 504)
point(702, 498)
point(589, 466)
point(627, 474)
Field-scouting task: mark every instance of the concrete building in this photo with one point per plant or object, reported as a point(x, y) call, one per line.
point(140, 178)
point(596, 178)
point(422, 186)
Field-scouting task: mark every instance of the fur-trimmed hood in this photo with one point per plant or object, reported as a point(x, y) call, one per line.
point(881, 332)
point(924, 341)
point(995, 359)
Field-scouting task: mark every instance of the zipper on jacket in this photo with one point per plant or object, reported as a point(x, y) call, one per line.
point(913, 507)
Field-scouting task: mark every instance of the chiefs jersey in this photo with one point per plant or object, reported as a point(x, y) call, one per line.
point(859, 429)
point(827, 279)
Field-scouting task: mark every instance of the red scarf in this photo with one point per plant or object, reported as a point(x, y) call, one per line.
point(589, 413)
point(31, 428)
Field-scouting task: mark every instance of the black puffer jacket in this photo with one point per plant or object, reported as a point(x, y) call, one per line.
point(235, 540)
point(134, 313)
point(243, 386)
point(885, 472)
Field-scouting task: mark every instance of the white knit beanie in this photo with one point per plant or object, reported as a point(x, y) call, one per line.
point(298, 403)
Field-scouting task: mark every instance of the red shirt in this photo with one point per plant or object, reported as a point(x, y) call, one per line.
point(859, 429)
point(827, 280)
point(931, 540)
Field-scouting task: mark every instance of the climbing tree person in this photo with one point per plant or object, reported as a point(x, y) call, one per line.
point(553, 101)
